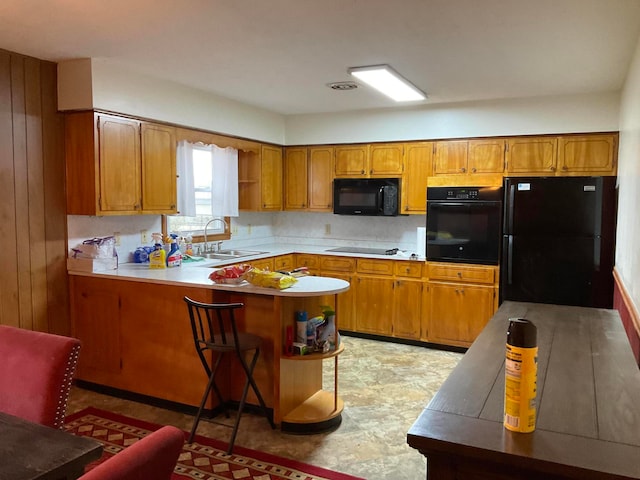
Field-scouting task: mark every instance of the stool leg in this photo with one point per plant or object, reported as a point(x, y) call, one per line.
point(254, 386)
point(210, 383)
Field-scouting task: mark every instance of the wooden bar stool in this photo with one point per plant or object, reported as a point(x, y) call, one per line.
point(214, 329)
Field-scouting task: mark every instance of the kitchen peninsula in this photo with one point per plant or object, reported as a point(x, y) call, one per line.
point(136, 338)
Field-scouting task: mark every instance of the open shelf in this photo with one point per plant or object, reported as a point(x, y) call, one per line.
point(320, 412)
point(316, 355)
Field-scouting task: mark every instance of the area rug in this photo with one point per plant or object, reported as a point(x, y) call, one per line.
point(204, 459)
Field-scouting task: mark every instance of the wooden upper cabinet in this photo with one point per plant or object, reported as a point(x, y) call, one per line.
point(271, 178)
point(295, 178)
point(159, 169)
point(118, 166)
point(587, 154)
point(532, 155)
point(386, 159)
point(120, 187)
point(320, 178)
point(352, 160)
point(418, 159)
point(451, 157)
point(486, 156)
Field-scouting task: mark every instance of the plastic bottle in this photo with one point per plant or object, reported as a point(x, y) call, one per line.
point(174, 258)
point(189, 245)
point(521, 376)
point(157, 258)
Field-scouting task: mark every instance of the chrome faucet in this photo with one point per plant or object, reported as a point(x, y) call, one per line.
point(206, 243)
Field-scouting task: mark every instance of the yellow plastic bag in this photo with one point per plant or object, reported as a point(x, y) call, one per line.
point(262, 278)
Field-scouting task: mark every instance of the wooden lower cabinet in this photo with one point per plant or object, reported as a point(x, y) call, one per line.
point(407, 308)
point(373, 304)
point(458, 312)
point(461, 300)
point(131, 327)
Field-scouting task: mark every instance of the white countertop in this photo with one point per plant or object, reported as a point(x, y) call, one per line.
point(197, 273)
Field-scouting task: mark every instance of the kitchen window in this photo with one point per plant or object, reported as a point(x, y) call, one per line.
point(206, 178)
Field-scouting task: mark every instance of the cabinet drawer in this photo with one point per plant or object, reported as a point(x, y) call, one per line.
point(307, 260)
point(379, 267)
point(408, 269)
point(283, 262)
point(460, 273)
point(338, 264)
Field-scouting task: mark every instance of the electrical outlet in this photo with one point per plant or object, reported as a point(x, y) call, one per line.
point(327, 229)
point(116, 235)
point(234, 229)
point(249, 229)
point(144, 237)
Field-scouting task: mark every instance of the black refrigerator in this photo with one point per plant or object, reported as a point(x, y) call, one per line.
point(558, 240)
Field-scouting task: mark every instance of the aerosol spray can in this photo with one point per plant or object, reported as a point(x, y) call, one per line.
point(521, 374)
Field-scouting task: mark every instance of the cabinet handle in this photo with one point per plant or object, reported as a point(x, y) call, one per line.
point(459, 274)
point(473, 170)
point(553, 169)
point(463, 169)
point(362, 172)
point(564, 167)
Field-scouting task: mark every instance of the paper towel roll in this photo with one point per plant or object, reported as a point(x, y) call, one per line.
point(421, 244)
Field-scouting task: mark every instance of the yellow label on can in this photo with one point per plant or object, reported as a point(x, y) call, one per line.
point(520, 385)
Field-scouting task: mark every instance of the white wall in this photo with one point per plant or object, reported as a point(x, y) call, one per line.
point(523, 116)
point(628, 233)
point(118, 89)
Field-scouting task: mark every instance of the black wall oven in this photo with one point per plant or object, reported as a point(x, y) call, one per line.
point(463, 224)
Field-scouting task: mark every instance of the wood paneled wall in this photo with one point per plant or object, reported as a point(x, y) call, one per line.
point(33, 277)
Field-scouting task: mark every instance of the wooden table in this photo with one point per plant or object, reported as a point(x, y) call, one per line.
point(588, 424)
point(32, 451)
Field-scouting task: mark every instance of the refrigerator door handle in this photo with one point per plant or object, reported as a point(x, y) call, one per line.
point(509, 241)
point(597, 251)
point(510, 208)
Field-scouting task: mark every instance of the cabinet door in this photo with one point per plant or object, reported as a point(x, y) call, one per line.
point(310, 261)
point(95, 320)
point(458, 312)
point(159, 169)
point(295, 178)
point(450, 157)
point(321, 167)
point(486, 156)
point(418, 159)
point(271, 178)
point(386, 159)
point(532, 155)
point(374, 304)
point(587, 154)
point(352, 160)
point(119, 140)
point(345, 307)
point(407, 313)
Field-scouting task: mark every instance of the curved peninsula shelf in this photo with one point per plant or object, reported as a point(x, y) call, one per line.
point(321, 411)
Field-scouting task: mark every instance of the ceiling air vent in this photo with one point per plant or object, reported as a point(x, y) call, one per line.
point(343, 85)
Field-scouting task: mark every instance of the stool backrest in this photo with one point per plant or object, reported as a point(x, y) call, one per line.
point(213, 326)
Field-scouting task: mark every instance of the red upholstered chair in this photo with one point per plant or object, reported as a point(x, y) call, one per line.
point(36, 370)
point(152, 458)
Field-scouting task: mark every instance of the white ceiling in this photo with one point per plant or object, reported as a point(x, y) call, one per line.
point(281, 54)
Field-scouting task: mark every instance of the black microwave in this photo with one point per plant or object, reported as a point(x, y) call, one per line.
point(366, 196)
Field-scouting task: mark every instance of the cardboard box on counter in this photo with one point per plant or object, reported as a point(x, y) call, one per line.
point(92, 264)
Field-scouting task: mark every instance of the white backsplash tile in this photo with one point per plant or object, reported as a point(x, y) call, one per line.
point(255, 228)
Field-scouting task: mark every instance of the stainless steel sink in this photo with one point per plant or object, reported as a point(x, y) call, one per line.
point(230, 254)
point(240, 253)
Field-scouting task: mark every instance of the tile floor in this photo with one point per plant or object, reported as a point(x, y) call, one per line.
point(384, 386)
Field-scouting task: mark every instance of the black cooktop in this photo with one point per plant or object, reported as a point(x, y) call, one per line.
point(372, 251)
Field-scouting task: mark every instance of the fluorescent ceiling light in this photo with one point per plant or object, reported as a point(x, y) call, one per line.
point(386, 80)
